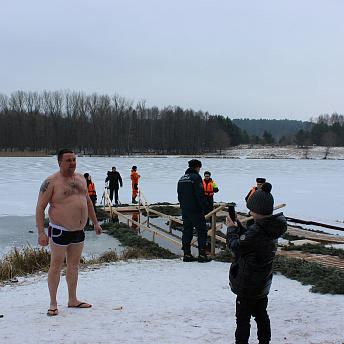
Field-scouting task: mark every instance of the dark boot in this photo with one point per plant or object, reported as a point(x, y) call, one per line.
point(133, 200)
point(202, 256)
point(188, 257)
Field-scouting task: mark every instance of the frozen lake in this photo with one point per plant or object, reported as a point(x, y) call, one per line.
point(310, 188)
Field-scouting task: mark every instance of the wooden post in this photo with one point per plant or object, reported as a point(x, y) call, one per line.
point(213, 233)
point(170, 225)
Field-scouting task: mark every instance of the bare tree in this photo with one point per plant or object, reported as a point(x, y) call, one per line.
point(221, 140)
point(328, 140)
point(33, 105)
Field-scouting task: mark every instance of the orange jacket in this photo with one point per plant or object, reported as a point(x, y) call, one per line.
point(134, 177)
point(250, 193)
point(208, 188)
point(91, 188)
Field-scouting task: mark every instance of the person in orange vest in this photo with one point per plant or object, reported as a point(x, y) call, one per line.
point(210, 188)
point(134, 182)
point(260, 182)
point(91, 190)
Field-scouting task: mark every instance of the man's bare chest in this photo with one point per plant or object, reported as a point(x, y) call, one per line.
point(66, 192)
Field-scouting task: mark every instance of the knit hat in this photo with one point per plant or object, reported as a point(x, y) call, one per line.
point(195, 163)
point(262, 201)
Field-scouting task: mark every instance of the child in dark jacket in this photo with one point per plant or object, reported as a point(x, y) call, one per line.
point(250, 275)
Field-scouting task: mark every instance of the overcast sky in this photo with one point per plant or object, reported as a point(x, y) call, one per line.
point(236, 58)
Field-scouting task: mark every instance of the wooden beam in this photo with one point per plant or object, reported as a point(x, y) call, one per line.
point(251, 218)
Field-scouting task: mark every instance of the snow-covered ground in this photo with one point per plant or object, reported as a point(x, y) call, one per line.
point(163, 301)
point(285, 152)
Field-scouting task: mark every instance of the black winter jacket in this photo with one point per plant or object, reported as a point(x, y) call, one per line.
point(191, 195)
point(114, 179)
point(254, 251)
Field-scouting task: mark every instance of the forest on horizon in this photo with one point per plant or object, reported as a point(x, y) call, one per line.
point(101, 124)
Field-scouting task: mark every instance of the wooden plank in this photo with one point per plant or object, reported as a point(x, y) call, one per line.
point(221, 207)
point(167, 216)
point(140, 191)
point(149, 229)
point(330, 261)
point(133, 208)
point(308, 222)
point(322, 237)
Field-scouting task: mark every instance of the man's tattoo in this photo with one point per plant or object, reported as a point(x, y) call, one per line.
point(45, 185)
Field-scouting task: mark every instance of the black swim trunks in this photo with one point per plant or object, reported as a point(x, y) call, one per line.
point(61, 236)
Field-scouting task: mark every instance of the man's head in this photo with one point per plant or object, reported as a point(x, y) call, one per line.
point(261, 202)
point(86, 175)
point(134, 168)
point(207, 175)
point(195, 164)
point(260, 182)
point(63, 151)
point(67, 161)
point(113, 169)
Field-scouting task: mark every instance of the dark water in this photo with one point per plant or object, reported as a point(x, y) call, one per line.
point(21, 231)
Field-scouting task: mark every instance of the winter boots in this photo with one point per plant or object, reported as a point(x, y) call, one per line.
point(133, 200)
point(202, 255)
point(188, 257)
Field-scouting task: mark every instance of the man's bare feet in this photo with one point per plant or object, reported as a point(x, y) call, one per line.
point(80, 305)
point(52, 312)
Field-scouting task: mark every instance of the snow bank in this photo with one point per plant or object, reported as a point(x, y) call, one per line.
point(163, 301)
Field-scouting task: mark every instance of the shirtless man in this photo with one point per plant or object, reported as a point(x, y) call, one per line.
point(70, 206)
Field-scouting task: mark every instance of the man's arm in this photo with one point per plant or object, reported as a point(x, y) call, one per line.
point(200, 193)
point(215, 187)
point(120, 180)
point(44, 197)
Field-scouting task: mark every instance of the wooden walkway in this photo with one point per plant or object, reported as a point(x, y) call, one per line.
point(319, 237)
point(326, 260)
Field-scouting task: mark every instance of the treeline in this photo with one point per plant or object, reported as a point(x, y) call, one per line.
point(280, 129)
point(100, 124)
point(328, 131)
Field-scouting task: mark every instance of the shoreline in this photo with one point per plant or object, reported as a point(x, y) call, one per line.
point(237, 152)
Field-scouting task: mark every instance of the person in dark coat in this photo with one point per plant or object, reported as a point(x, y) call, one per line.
point(193, 203)
point(114, 179)
point(254, 250)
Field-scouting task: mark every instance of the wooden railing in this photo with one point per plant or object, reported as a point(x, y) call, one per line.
point(143, 202)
